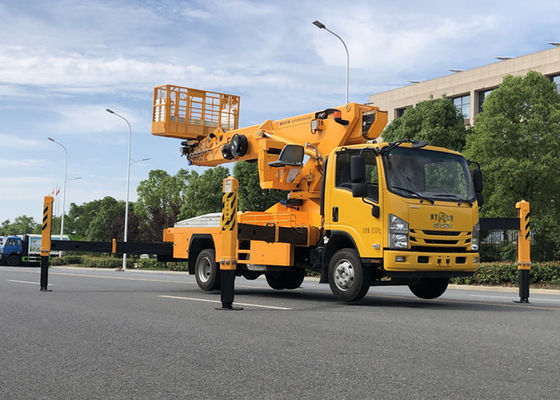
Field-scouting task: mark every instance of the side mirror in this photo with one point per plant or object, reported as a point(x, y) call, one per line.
point(358, 176)
point(357, 169)
point(479, 199)
point(477, 180)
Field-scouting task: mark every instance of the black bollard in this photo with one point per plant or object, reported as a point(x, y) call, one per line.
point(45, 274)
point(227, 280)
point(523, 286)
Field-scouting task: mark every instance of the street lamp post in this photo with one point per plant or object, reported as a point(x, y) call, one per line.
point(322, 26)
point(64, 189)
point(127, 181)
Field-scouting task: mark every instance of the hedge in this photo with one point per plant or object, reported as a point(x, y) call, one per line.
point(66, 260)
point(152, 263)
point(500, 273)
point(116, 262)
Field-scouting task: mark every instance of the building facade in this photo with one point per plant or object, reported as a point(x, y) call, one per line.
point(469, 88)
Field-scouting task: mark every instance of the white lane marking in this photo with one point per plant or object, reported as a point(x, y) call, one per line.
point(31, 283)
point(507, 298)
point(134, 279)
point(219, 302)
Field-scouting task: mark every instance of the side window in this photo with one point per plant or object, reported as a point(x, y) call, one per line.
point(372, 176)
point(342, 175)
point(343, 178)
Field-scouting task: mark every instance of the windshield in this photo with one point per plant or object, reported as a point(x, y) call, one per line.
point(428, 174)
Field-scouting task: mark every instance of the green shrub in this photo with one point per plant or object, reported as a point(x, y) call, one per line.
point(101, 262)
point(499, 273)
point(178, 266)
point(152, 263)
point(66, 260)
point(149, 263)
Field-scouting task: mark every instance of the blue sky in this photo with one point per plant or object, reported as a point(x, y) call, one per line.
point(62, 63)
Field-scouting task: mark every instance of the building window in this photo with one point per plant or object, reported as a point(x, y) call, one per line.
point(399, 112)
point(482, 96)
point(463, 104)
point(556, 81)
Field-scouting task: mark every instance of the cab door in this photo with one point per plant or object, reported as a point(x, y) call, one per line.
point(345, 213)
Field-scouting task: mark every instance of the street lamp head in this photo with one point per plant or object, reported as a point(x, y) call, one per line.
point(51, 139)
point(319, 25)
point(109, 110)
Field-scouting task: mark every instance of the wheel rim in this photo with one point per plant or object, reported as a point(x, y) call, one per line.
point(204, 269)
point(344, 275)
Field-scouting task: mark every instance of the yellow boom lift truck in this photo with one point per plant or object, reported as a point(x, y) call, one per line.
point(360, 213)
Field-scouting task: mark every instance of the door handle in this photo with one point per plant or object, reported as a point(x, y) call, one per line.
point(335, 214)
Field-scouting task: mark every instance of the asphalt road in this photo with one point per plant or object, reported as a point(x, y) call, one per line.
point(147, 335)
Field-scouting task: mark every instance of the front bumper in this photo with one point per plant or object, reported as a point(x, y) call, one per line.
point(415, 261)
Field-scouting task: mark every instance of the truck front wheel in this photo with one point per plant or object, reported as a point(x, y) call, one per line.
point(429, 288)
point(207, 271)
point(13, 260)
point(348, 278)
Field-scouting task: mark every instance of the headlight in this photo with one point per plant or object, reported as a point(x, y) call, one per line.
point(475, 237)
point(398, 233)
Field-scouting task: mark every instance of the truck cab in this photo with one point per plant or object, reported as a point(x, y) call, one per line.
point(407, 212)
point(11, 251)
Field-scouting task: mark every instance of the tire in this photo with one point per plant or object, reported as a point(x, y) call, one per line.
point(429, 288)
point(207, 271)
point(251, 275)
point(348, 278)
point(13, 260)
point(275, 279)
point(294, 278)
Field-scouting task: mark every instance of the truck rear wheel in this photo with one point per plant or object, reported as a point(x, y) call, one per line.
point(348, 278)
point(294, 278)
point(13, 260)
point(290, 279)
point(429, 288)
point(207, 271)
point(251, 275)
point(275, 279)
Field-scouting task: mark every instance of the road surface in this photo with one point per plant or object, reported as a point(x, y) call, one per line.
point(105, 334)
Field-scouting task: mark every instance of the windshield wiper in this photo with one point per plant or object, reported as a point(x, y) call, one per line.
point(413, 192)
point(416, 144)
point(455, 197)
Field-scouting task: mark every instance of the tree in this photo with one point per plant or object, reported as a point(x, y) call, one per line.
point(437, 122)
point(100, 220)
point(160, 198)
point(203, 194)
point(22, 224)
point(516, 140)
point(108, 221)
point(80, 218)
point(251, 196)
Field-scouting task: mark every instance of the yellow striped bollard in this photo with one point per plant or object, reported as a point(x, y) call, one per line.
point(46, 228)
point(228, 254)
point(524, 249)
